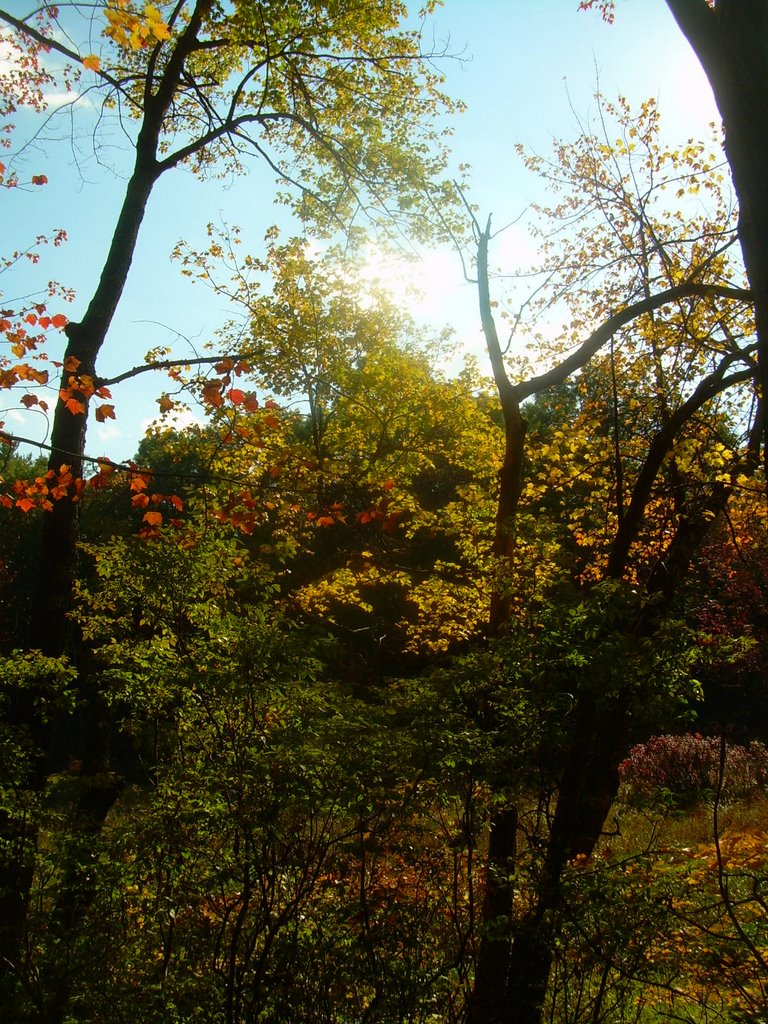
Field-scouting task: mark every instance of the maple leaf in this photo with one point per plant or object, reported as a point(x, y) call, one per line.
point(105, 412)
point(140, 482)
point(25, 504)
point(29, 400)
point(140, 500)
point(212, 393)
point(59, 320)
point(236, 396)
point(153, 518)
point(71, 403)
point(71, 363)
point(156, 24)
point(92, 62)
point(166, 403)
point(39, 179)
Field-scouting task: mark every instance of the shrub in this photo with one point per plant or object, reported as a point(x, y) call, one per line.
point(687, 767)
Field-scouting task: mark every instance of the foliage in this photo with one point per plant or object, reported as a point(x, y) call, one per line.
point(276, 828)
point(287, 737)
point(688, 768)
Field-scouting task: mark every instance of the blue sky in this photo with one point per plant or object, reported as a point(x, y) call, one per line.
point(529, 68)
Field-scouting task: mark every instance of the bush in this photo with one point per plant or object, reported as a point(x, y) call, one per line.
point(687, 767)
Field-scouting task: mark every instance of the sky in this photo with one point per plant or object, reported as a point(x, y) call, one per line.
point(527, 70)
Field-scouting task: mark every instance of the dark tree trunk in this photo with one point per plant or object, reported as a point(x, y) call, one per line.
point(731, 41)
point(58, 550)
point(488, 1002)
point(588, 787)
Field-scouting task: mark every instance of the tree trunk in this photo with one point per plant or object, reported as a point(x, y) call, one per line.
point(488, 1001)
point(731, 41)
point(58, 550)
point(588, 787)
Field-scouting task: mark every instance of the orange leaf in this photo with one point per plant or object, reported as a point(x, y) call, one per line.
point(59, 320)
point(39, 179)
point(140, 501)
point(212, 393)
point(251, 403)
point(72, 404)
point(92, 62)
point(105, 412)
point(153, 518)
point(25, 504)
point(236, 396)
point(71, 363)
point(165, 403)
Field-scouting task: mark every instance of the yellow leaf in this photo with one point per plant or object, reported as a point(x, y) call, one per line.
point(92, 62)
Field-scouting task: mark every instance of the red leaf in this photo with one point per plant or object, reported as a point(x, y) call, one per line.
point(39, 179)
point(236, 396)
point(212, 393)
point(105, 412)
point(59, 320)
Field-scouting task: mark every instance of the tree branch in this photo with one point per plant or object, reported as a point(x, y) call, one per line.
point(608, 328)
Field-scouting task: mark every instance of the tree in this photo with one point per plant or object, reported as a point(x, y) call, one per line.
point(371, 479)
point(650, 436)
point(207, 87)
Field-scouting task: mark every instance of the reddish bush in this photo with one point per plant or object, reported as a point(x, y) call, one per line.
point(688, 766)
